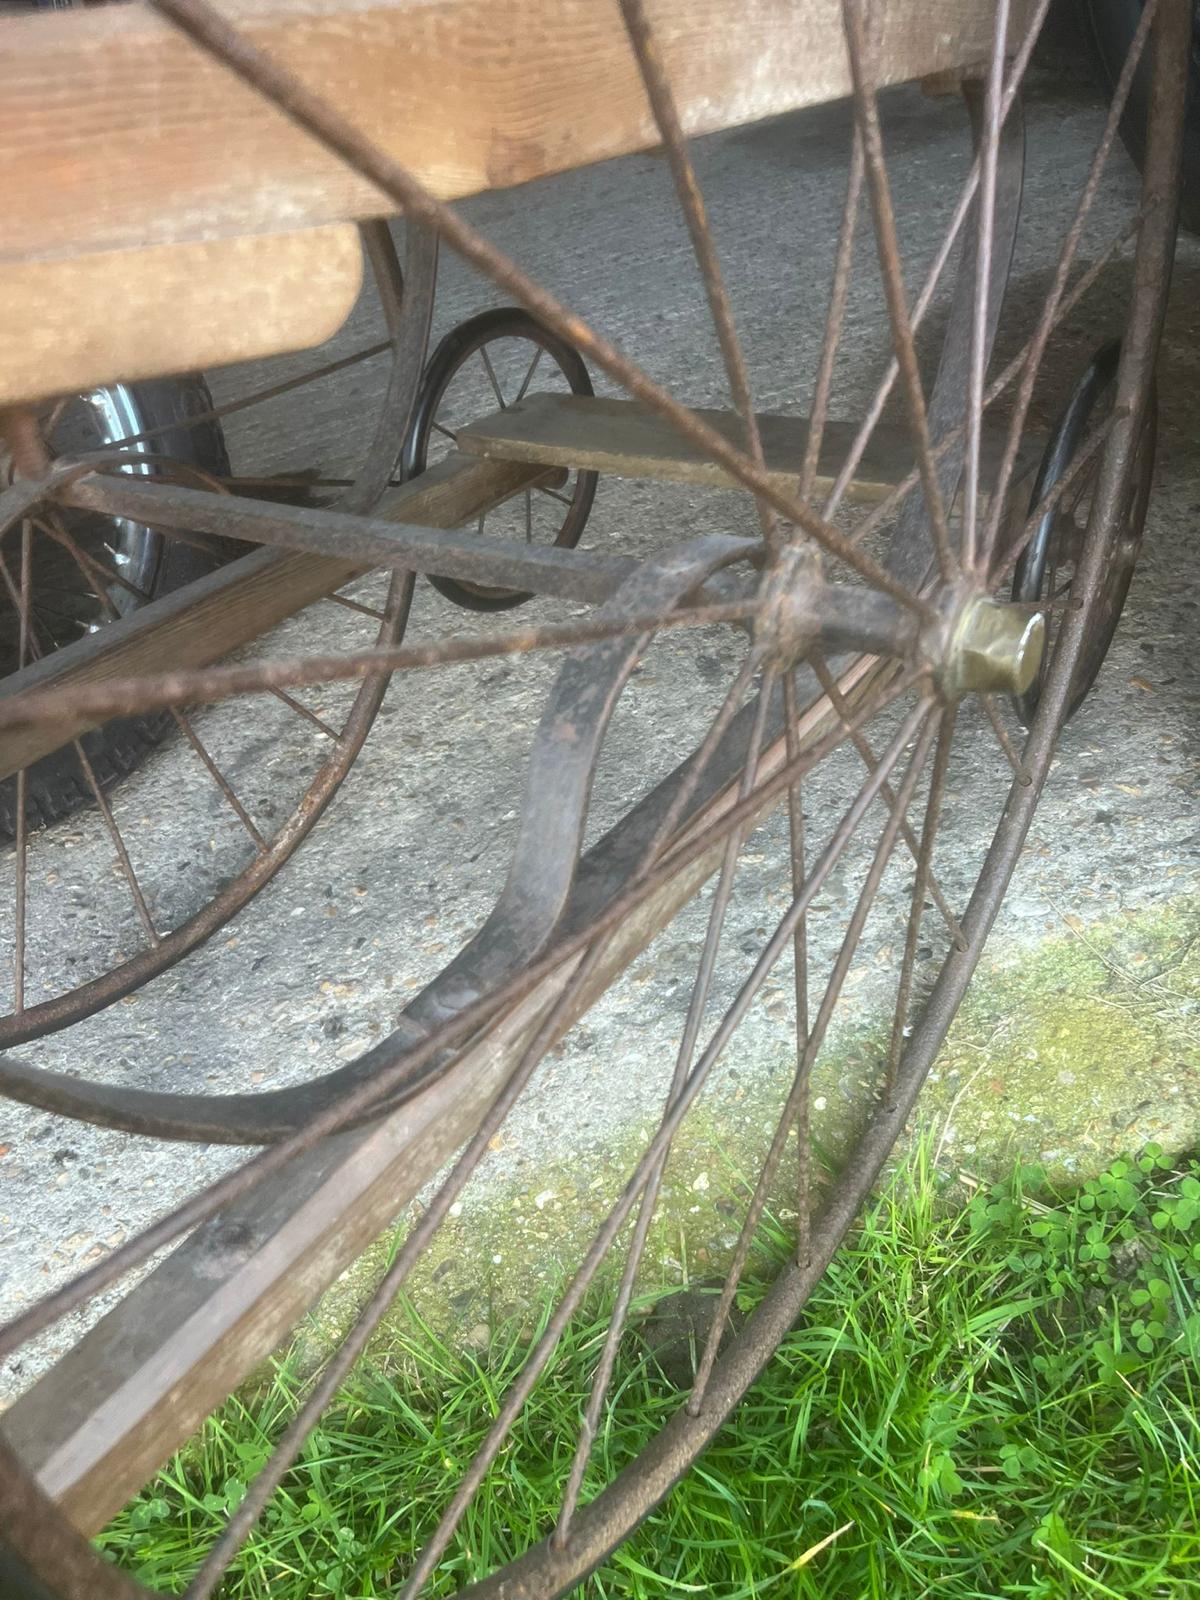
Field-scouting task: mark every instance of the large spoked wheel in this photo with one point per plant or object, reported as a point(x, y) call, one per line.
point(1045, 574)
point(827, 858)
point(496, 359)
point(74, 571)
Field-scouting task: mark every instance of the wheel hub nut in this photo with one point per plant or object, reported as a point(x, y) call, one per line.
point(995, 647)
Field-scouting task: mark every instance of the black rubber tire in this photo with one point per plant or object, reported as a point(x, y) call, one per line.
point(1108, 26)
point(55, 786)
point(1029, 578)
point(455, 349)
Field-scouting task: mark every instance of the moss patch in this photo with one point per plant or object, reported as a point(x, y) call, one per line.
point(1069, 1053)
point(1086, 1046)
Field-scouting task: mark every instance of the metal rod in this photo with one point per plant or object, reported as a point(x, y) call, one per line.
point(697, 1004)
point(691, 203)
point(201, 22)
point(933, 809)
point(1037, 345)
point(984, 237)
point(222, 782)
point(114, 833)
point(891, 270)
point(843, 617)
point(799, 1089)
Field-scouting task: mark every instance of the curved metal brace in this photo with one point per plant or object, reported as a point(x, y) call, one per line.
point(407, 300)
point(558, 788)
point(910, 555)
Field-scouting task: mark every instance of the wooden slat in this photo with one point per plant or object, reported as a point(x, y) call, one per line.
point(116, 132)
point(626, 439)
point(236, 604)
point(111, 1411)
point(175, 308)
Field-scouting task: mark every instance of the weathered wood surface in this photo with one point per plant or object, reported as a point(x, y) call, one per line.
point(625, 438)
point(173, 308)
point(116, 132)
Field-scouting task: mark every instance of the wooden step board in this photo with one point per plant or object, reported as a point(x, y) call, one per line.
point(625, 439)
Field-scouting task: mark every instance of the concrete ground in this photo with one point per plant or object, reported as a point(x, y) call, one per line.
point(1083, 1033)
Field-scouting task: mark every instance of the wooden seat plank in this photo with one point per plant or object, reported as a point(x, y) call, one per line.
point(626, 439)
point(128, 314)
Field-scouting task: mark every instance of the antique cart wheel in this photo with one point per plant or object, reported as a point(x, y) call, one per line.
point(1045, 574)
point(255, 831)
point(499, 357)
point(850, 671)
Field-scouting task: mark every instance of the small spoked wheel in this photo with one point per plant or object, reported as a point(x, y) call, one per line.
point(1045, 575)
point(496, 360)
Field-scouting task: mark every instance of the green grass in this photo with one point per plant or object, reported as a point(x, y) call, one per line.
point(991, 1396)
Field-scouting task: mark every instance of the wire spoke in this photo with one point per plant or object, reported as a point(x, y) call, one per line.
point(118, 843)
point(888, 250)
point(197, 419)
point(22, 796)
point(528, 378)
point(97, 574)
point(1059, 595)
point(860, 743)
point(1037, 345)
point(184, 724)
point(835, 318)
point(554, 494)
point(357, 605)
point(302, 710)
point(1020, 770)
point(492, 378)
point(799, 948)
point(798, 1093)
point(697, 1004)
point(929, 827)
point(687, 189)
point(1070, 480)
point(984, 238)
point(127, 696)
